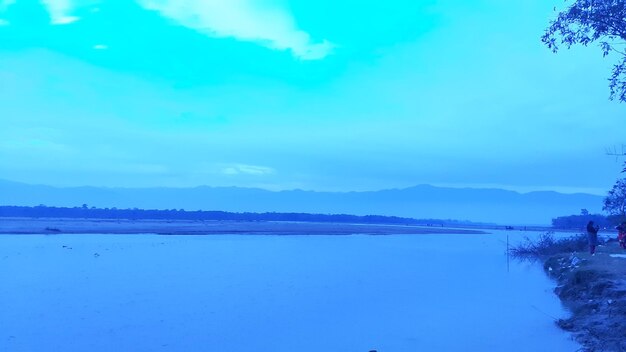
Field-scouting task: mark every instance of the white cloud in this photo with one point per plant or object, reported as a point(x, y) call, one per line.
point(245, 20)
point(35, 145)
point(60, 10)
point(129, 168)
point(238, 169)
point(4, 4)
point(100, 47)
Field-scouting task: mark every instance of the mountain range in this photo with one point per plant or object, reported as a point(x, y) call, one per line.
point(422, 201)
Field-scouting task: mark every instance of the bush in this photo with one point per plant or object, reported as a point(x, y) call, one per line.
point(547, 244)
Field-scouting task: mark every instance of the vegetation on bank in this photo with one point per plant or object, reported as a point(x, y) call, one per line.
point(580, 221)
point(86, 212)
point(547, 245)
point(614, 205)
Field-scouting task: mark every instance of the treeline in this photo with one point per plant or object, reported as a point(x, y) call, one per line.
point(580, 221)
point(86, 212)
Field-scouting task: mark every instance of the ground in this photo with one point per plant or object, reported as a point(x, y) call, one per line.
point(594, 289)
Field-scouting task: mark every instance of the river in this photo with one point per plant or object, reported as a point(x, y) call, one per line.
point(238, 293)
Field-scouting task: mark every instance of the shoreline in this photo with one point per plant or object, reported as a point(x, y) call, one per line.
point(593, 289)
point(54, 226)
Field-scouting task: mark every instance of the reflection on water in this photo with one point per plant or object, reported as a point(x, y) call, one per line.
point(273, 293)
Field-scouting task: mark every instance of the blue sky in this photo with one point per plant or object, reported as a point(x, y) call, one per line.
point(301, 94)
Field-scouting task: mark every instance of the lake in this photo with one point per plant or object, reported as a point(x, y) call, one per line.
point(238, 293)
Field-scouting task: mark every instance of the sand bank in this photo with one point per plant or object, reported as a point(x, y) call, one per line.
point(181, 227)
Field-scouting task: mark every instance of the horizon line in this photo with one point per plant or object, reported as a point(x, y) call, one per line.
point(517, 189)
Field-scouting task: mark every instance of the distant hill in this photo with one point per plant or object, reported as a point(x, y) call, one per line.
point(423, 201)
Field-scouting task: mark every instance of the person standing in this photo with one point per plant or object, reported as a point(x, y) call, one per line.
point(592, 236)
point(621, 234)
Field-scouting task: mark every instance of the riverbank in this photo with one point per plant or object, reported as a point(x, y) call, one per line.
point(52, 226)
point(593, 288)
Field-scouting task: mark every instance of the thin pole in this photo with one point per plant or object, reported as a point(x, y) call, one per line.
point(507, 252)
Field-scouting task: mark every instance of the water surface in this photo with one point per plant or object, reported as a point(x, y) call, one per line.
point(273, 293)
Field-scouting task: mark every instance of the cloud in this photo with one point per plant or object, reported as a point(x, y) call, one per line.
point(35, 145)
point(100, 47)
point(238, 169)
point(60, 10)
point(127, 168)
point(245, 20)
point(4, 4)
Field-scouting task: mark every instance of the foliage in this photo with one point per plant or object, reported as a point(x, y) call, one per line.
point(580, 221)
point(615, 201)
point(588, 21)
point(84, 211)
point(547, 244)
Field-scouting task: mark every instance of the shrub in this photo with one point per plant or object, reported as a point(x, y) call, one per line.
point(547, 244)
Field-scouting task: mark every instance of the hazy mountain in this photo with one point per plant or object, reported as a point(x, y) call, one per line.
point(424, 201)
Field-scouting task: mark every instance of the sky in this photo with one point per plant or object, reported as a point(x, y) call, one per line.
point(316, 95)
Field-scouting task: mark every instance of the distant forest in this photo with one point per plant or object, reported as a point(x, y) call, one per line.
point(86, 212)
point(580, 221)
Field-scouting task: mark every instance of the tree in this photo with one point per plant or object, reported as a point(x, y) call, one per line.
point(615, 201)
point(584, 212)
point(579, 221)
point(588, 21)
